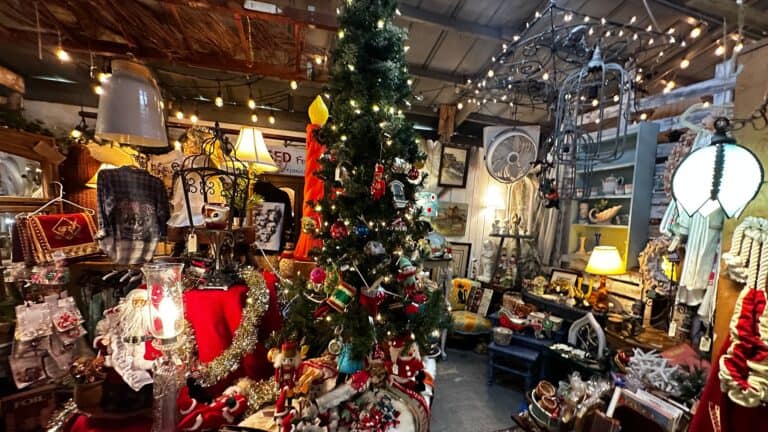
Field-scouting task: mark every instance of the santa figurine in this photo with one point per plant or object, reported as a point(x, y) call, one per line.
point(286, 362)
point(225, 409)
point(404, 362)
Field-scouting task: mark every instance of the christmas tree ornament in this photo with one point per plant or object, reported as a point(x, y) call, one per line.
point(399, 225)
point(411, 310)
point(414, 174)
point(286, 362)
point(427, 202)
point(308, 225)
point(400, 166)
point(374, 248)
point(339, 230)
point(361, 230)
point(420, 164)
point(318, 112)
point(341, 174)
point(379, 186)
point(347, 363)
point(342, 296)
point(398, 194)
point(317, 275)
point(407, 276)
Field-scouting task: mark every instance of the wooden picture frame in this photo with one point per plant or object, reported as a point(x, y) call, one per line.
point(559, 274)
point(461, 254)
point(454, 166)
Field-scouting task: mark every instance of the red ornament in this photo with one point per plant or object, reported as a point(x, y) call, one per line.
point(339, 230)
point(413, 174)
point(317, 275)
point(379, 186)
point(411, 309)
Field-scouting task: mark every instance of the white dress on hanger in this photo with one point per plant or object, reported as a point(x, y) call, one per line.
point(702, 248)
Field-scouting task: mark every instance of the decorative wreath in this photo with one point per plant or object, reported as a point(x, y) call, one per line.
point(679, 152)
point(650, 259)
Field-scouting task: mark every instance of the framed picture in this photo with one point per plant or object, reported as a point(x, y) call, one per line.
point(563, 276)
point(268, 221)
point(460, 253)
point(451, 220)
point(454, 165)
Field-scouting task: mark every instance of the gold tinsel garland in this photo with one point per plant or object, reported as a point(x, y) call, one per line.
point(246, 336)
point(258, 393)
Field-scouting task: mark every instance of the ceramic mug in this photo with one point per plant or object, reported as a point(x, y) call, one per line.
point(620, 189)
point(594, 190)
point(628, 188)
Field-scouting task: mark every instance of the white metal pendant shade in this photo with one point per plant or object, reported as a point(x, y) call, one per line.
point(131, 107)
point(723, 176)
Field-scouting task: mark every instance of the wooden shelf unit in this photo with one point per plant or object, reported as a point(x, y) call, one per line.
point(636, 165)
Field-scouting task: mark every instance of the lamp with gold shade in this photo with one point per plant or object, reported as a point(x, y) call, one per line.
point(604, 261)
point(91, 183)
point(252, 149)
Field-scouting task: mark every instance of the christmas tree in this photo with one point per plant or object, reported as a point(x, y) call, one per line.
point(366, 280)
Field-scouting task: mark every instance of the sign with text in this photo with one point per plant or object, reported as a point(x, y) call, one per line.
point(290, 159)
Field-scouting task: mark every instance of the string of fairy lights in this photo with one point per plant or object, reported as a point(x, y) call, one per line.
point(498, 83)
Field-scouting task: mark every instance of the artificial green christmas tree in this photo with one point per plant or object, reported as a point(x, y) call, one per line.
point(366, 280)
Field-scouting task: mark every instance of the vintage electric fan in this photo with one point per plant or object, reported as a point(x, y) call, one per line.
point(509, 153)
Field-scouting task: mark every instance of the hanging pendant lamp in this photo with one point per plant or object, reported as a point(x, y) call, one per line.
point(723, 175)
point(131, 107)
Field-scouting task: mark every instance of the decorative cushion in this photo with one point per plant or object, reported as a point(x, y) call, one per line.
point(470, 323)
point(459, 295)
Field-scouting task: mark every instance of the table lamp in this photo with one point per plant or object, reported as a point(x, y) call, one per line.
point(252, 149)
point(604, 261)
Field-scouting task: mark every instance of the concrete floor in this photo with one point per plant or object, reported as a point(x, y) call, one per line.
point(464, 402)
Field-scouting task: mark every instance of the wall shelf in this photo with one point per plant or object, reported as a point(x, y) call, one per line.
point(600, 226)
point(599, 197)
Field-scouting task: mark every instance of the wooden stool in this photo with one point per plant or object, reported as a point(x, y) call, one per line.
point(524, 357)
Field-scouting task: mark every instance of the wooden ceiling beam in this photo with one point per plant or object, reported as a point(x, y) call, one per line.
point(415, 14)
point(287, 15)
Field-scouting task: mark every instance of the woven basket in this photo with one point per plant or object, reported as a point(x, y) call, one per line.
point(502, 336)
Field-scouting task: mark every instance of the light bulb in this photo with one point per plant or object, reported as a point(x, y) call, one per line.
point(490, 73)
point(193, 117)
point(343, 138)
point(318, 60)
point(460, 106)
point(99, 90)
point(695, 32)
point(615, 98)
point(179, 114)
point(684, 63)
point(586, 19)
point(644, 116)
point(375, 108)
point(271, 119)
point(671, 84)
point(545, 75)
point(62, 55)
point(591, 31)
point(603, 21)
point(739, 46)
point(516, 38)
point(595, 102)
point(76, 134)
point(254, 118)
point(406, 48)
point(341, 34)
point(380, 24)
point(568, 17)
point(409, 82)
point(294, 85)
point(177, 145)
point(219, 101)
point(633, 19)
point(103, 77)
point(251, 104)
point(650, 41)
point(649, 28)
point(720, 50)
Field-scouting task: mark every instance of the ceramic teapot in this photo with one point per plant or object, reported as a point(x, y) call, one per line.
point(610, 183)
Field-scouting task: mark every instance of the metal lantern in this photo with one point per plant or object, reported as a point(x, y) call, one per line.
point(131, 107)
point(589, 91)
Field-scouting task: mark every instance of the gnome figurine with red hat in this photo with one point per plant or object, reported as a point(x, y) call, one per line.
point(286, 362)
point(404, 362)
